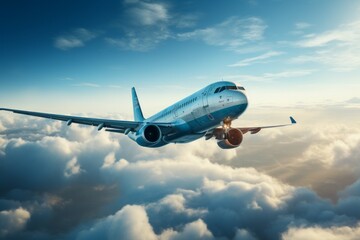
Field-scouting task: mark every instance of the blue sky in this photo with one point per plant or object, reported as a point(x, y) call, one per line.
point(57, 53)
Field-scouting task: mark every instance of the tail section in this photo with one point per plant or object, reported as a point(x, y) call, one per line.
point(138, 115)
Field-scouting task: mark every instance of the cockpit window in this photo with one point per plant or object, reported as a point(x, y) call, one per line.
point(231, 87)
point(220, 89)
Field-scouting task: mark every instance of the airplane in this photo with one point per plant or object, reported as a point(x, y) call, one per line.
point(207, 113)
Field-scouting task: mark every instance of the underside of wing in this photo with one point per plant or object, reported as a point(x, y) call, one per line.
point(254, 130)
point(219, 133)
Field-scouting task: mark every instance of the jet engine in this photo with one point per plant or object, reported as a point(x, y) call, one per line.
point(148, 135)
point(231, 139)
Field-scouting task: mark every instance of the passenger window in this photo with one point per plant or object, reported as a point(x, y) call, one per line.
point(222, 89)
point(217, 90)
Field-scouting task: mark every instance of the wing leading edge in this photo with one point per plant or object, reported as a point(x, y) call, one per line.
point(118, 126)
point(101, 123)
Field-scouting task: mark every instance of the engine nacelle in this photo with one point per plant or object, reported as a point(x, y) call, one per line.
point(148, 135)
point(232, 139)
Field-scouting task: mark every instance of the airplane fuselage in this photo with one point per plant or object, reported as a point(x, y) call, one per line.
point(194, 115)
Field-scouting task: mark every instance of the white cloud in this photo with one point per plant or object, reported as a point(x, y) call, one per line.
point(345, 34)
point(231, 34)
point(302, 25)
point(257, 59)
point(270, 76)
point(86, 84)
point(144, 13)
point(193, 230)
point(175, 192)
point(131, 222)
point(72, 168)
point(333, 233)
point(338, 48)
point(76, 38)
point(13, 220)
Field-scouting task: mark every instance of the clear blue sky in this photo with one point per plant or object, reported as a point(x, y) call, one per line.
point(87, 54)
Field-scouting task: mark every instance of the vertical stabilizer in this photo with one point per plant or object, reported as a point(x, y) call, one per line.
point(138, 115)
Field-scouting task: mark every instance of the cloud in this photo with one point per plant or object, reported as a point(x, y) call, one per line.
point(333, 233)
point(185, 21)
point(271, 76)
point(338, 48)
point(13, 220)
point(148, 26)
point(152, 23)
point(126, 223)
point(140, 40)
point(302, 25)
point(193, 230)
point(86, 84)
point(249, 61)
point(144, 13)
point(175, 192)
point(76, 38)
point(231, 33)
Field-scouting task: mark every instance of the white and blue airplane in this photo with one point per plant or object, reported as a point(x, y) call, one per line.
point(206, 113)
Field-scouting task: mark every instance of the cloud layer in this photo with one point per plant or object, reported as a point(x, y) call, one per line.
point(48, 173)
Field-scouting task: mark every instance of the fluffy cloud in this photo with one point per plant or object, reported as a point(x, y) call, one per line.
point(131, 222)
point(76, 38)
point(176, 192)
point(13, 220)
point(333, 233)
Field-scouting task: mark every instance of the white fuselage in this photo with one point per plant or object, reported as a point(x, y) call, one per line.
point(206, 109)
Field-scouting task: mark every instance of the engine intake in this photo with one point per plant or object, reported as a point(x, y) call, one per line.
point(232, 139)
point(147, 136)
point(152, 133)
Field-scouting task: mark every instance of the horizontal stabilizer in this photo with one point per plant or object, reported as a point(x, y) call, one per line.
point(292, 120)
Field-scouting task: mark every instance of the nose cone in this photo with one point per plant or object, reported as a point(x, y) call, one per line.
point(241, 100)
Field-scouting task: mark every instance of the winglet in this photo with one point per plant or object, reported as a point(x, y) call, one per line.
point(292, 120)
point(138, 115)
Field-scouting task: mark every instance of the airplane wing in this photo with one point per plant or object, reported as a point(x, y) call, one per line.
point(217, 132)
point(118, 126)
point(254, 130)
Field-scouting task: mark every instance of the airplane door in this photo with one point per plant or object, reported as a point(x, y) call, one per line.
point(205, 99)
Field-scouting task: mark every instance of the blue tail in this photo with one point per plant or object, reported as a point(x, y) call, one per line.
point(138, 115)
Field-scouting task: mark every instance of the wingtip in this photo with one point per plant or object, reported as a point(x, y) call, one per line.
point(292, 120)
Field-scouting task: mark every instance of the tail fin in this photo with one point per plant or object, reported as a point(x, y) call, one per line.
point(138, 115)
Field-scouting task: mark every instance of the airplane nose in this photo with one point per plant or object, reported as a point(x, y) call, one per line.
point(240, 98)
